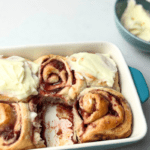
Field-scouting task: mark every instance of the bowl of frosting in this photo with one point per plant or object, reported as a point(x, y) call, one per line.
point(132, 18)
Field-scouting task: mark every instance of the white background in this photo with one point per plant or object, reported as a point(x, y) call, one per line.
point(32, 22)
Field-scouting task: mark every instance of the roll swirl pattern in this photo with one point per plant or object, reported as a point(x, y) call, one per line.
point(57, 80)
point(101, 114)
point(17, 129)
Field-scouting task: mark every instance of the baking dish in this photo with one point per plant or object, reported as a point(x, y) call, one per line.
point(126, 81)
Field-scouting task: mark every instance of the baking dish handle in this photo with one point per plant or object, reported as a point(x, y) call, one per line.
point(140, 84)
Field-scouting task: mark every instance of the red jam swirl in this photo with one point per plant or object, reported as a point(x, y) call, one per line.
point(73, 77)
point(8, 132)
point(111, 111)
point(55, 86)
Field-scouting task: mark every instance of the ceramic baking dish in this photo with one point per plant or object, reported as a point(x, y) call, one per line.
point(127, 85)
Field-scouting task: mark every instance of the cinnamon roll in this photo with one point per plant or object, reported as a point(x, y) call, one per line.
point(18, 127)
point(57, 81)
point(101, 114)
point(18, 79)
point(98, 69)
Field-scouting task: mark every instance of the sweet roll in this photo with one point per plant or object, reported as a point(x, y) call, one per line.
point(98, 69)
point(57, 81)
point(18, 79)
point(101, 114)
point(18, 127)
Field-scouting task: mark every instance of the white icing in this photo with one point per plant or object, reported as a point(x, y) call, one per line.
point(80, 76)
point(137, 20)
point(98, 65)
point(18, 77)
point(33, 115)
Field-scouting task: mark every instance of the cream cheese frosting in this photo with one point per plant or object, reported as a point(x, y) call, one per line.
point(137, 20)
point(18, 77)
point(33, 115)
point(101, 66)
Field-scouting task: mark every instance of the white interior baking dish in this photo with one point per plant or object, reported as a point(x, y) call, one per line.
point(127, 85)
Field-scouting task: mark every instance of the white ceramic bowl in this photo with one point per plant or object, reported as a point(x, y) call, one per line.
point(127, 85)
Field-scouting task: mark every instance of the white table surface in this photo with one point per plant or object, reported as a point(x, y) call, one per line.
point(32, 22)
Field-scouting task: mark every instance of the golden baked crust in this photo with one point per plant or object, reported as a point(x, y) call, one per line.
point(5, 98)
point(105, 113)
point(16, 127)
point(57, 80)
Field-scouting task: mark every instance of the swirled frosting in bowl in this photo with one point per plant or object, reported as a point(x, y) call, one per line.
point(136, 20)
point(18, 77)
point(101, 66)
